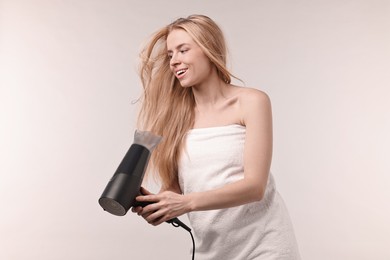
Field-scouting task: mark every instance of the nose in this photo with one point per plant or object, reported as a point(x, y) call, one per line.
point(174, 60)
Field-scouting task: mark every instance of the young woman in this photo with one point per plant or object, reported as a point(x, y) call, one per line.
point(214, 161)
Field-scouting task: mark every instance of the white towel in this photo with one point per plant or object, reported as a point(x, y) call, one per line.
point(213, 157)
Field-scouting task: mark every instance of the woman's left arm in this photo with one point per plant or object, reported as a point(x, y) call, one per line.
point(255, 108)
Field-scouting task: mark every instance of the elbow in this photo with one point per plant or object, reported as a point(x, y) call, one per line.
point(257, 194)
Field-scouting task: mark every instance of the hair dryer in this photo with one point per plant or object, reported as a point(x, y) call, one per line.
point(120, 193)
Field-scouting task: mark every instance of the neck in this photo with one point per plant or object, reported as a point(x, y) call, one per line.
point(210, 92)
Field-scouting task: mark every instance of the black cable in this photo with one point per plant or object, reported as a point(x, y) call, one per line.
point(193, 245)
point(177, 223)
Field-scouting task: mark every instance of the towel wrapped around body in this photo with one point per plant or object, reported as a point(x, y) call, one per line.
point(212, 158)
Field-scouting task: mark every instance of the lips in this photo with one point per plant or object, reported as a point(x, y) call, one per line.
point(180, 73)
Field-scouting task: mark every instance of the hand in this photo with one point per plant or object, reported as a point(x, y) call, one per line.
point(165, 206)
point(138, 209)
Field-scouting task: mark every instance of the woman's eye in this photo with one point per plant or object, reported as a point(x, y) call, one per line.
point(183, 51)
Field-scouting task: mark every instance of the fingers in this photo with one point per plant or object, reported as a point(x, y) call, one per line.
point(137, 210)
point(155, 218)
point(162, 207)
point(146, 200)
point(150, 213)
point(146, 196)
point(153, 207)
point(153, 214)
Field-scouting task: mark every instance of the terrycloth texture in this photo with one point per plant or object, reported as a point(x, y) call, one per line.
point(261, 230)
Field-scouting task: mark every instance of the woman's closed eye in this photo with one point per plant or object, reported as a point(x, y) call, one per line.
point(183, 51)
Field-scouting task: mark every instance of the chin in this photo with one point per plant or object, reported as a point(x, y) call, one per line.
point(185, 84)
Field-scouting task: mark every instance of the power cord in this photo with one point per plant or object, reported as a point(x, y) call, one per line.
point(177, 223)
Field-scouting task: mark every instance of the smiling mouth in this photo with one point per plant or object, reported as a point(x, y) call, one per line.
point(181, 72)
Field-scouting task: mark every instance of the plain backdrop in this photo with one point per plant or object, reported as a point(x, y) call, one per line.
point(67, 116)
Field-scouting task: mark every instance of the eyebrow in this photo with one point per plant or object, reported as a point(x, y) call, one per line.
point(178, 47)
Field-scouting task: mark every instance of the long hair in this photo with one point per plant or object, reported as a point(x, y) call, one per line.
point(167, 108)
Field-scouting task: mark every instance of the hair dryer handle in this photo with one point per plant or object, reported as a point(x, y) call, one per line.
point(174, 221)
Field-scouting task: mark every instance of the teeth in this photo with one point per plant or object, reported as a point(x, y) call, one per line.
point(179, 72)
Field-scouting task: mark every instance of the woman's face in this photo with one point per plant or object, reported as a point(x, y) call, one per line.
point(187, 61)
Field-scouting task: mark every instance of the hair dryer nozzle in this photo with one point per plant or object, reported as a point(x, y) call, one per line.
point(147, 139)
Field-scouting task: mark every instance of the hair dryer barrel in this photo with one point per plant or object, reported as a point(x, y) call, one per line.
point(119, 195)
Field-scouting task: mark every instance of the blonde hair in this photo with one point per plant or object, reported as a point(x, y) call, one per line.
point(167, 108)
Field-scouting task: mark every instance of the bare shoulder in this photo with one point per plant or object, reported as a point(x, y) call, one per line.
point(254, 103)
point(253, 97)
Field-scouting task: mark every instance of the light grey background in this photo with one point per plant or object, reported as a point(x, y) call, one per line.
point(68, 77)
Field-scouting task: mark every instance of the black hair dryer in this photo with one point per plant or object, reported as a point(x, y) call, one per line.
point(119, 195)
